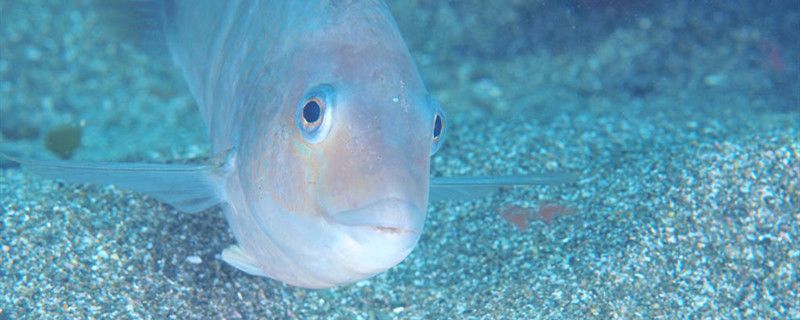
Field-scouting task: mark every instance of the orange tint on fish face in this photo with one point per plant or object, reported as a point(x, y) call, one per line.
point(374, 174)
point(379, 142)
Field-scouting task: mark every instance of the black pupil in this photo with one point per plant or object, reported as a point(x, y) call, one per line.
point(437, 126)
point(311, 111)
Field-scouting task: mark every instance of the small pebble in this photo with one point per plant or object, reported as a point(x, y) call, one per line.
point(194, 259)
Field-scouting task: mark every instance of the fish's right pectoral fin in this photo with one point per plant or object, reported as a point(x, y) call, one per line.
point(239, 259)
point(188, 188)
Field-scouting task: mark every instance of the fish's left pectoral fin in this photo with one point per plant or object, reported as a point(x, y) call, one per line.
point(239, 259)
point(468, 188)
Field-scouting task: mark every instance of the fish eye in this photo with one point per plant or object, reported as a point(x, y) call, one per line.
point(439, 126)
point(314, 113)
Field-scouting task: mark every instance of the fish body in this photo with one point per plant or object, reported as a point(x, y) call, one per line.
point(323, 130)
point(293, 201)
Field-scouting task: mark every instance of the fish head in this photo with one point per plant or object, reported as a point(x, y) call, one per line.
point(345, 177)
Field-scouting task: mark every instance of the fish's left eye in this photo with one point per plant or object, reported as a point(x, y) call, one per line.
point(439, 126)
point(314, 113)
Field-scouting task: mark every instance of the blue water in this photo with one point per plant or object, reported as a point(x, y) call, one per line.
point(681, 119)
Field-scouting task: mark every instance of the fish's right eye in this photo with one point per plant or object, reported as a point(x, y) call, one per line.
point(314, 113)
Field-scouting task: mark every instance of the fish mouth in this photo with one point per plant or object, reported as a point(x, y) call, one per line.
point(386, 216)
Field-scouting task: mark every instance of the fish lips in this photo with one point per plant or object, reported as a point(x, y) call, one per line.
point(386, 216)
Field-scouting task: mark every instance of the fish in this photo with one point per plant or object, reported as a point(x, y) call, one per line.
point(322, 132)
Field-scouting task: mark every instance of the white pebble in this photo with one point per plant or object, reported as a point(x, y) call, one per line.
point(194, 260)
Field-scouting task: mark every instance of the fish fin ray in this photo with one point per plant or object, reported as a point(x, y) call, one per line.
point(187, 187)
point(468, 188)
point(140, 22)
point(239, 259)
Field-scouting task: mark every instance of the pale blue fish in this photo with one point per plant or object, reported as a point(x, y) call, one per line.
point(323, 130)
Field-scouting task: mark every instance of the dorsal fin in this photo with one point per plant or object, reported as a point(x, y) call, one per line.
point(138, 22)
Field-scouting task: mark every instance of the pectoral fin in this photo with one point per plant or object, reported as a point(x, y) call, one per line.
point(188, 188)
point(236, 257)
point(467, 188)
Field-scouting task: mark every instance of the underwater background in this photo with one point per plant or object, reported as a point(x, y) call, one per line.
point(681, 119)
